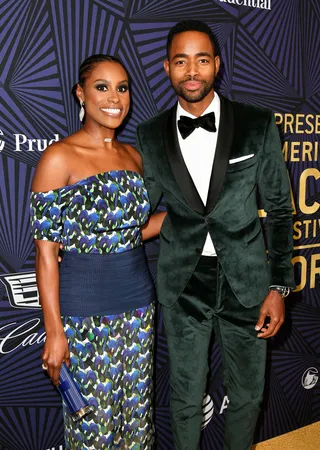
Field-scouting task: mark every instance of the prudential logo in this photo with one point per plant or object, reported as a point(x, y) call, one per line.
point(310, 378)
point(260, 4)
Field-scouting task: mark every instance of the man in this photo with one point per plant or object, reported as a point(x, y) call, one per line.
point(213, 275)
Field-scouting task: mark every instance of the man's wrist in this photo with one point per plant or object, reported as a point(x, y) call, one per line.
point(284, 291)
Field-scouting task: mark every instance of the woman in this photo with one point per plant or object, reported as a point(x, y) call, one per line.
point(88, 194)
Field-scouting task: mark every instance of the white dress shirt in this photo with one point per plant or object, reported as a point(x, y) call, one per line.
point(198, 151)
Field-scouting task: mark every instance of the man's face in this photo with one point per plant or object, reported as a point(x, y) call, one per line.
point(192, 66)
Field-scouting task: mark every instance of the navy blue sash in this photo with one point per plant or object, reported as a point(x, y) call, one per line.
point(98, 285)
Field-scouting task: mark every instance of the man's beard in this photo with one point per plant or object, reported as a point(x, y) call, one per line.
point(193, 97)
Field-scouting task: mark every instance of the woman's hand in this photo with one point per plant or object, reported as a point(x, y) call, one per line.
point(55, 352)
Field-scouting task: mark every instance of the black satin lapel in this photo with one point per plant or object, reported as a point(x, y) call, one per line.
point(178, 166)
point(223, 148)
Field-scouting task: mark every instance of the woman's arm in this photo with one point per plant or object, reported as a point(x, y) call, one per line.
point(153, 226)
point(52, 173)
point(55, 349)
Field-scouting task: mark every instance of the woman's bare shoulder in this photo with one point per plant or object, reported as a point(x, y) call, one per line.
point(53, 168)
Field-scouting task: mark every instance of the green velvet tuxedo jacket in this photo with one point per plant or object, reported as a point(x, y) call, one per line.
point(231, 212)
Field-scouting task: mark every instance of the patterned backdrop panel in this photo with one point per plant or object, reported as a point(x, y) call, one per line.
point(270, 57)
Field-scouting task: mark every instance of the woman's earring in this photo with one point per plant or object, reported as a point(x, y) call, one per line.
point(82, 111)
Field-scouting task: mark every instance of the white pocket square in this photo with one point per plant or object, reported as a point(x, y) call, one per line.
point(241, 158)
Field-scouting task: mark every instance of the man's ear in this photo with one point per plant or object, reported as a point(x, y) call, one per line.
point(217, 64)
point(166, 67)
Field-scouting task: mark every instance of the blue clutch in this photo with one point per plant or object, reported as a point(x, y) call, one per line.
point(71, 395)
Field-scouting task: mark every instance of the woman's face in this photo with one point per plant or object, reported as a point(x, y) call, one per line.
point(106, 94)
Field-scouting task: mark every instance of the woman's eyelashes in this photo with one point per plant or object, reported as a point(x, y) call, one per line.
point(120, 88)
point(101, 87)
point(123, 88)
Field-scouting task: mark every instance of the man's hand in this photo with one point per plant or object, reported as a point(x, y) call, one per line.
point(273, 307)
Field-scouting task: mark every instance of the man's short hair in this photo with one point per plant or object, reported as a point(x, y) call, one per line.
point(191, 25)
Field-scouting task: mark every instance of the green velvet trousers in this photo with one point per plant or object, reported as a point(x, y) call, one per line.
point(208, 310)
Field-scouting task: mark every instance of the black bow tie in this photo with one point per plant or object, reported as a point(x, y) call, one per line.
point(187, 125)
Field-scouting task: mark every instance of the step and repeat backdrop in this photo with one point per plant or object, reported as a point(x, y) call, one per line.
point(270, 52)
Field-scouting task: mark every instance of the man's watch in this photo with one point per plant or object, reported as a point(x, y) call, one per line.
point(284, 291)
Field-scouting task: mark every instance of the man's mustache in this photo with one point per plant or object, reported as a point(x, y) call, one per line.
point(191, 79)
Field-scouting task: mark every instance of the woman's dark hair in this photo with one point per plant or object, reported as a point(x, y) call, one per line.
point(192, 25)
point(88, 65)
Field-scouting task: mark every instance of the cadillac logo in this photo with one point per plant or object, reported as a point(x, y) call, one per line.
point(22, 290)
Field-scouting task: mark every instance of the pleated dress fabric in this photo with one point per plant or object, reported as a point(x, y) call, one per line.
point(107, 304)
